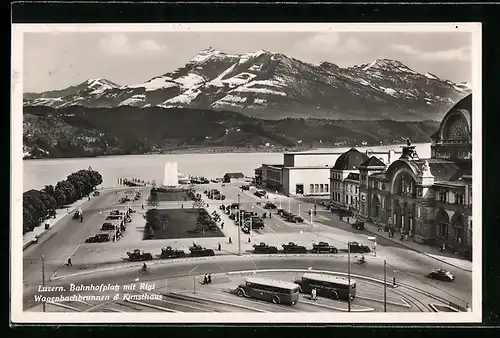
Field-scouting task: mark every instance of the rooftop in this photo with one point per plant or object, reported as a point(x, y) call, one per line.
point(350, 160)
point(372, 162)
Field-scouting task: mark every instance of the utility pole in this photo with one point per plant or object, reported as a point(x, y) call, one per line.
point(385, 285)
point(194, 284)
point(239, 226)
point(43, 280)
point(310, 212)
point(349, 276)
point(289, 204)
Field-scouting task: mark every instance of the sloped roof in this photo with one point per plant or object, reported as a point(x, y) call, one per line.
point(234, 175)
point(444, 170)
point(350, 160)
point(353, 176)
point(372, 162)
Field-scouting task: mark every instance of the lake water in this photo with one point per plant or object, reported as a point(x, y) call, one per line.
point(37, 173)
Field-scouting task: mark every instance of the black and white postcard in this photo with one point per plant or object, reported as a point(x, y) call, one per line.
point(260, 173)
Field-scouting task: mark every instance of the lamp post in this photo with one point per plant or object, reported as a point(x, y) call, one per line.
point(239, 226)
point(43, 280)
point(299, 209)
point(311, 213)
point(349, 276)
point(385, 285)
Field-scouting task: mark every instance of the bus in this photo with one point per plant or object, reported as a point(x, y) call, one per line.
point(327, 286)
point(276, 291)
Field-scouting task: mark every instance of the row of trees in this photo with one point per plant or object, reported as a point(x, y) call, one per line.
point(40, 204)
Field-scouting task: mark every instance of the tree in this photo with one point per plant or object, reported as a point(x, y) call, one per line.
point(28, 223)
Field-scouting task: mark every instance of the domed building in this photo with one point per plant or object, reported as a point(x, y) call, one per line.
point(428, 200)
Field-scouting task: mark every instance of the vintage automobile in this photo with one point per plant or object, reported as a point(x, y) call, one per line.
point(108, 226)
point(263, 248)
point(259, 193)
point(199, 251)
point(114, 217)
point(99, 238)
point(324, 247)
point(116, 212)
point(137, 255)
point(222, 207)
point(96, 193)
point(358, 225)
point(291, 247)
point(270, 205)
point(77, 214)
point(442, 275)
point(168, 252)
point(255, 222)
point(245, 187)
point(234, 206)
point(294, 218)
point(356, 247)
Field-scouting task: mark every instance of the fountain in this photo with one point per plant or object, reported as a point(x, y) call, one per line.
point(171, 178)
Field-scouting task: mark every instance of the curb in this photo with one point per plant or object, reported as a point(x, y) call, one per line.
point(40, 235)
point(185, 260)
point(419, 251)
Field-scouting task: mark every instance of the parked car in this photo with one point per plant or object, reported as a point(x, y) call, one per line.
point(96, 193)
point(199, 251)
point(108, 226)
point(263, 248)
point(245, 187)
point(270, 205)
point(168, 252)
point(442, 275)
point(356, 247)
point(99, 238)
point(324, 247)
point(358, 225)
point(294, 248)
point(137, 255)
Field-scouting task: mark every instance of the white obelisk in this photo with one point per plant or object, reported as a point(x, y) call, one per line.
point(171, 178)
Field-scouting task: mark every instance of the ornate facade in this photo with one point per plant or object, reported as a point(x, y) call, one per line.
point(430, 200)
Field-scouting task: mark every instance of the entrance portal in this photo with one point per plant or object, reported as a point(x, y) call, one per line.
point(299, 189)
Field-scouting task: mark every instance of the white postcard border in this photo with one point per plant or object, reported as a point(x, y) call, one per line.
point(19, 316)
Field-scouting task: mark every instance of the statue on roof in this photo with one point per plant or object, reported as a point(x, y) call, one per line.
point(407, 140)
point(425, 166)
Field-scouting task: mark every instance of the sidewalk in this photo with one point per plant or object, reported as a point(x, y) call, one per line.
point(430, 251)
point(39, 231)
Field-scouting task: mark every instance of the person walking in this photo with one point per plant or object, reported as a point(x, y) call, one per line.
point(209, 278)
point(222, 225)
point(230, 241)
point(218, 247)
point(69, 262)
point(205, 279)
point(378, 228)
point(313, 294)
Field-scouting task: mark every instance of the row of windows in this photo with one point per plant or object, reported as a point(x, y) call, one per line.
point(349, 187)
point(349, 199)
point(269, 288)
point(318, 188)
point(378, 185)
point(446, 197)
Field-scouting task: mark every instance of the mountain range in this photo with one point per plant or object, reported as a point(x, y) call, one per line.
point(273, 86)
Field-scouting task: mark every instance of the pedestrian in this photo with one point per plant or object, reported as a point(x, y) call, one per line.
point(142, 205)
point(402, 237)
point(209, 278)
point(205, 279)
point(218, 247)
point(249, 241)
point(222, 225)
point(182, 206)
point(406, 237)
point(347, 219)
point(315, 207)
point(313, 294)
point(230, 241)
point(314, 212)
point(69, 262)
point(269, 214)
point(378, 228)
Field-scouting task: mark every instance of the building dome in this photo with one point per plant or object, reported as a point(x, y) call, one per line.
point(456, 125)
point(350, 160)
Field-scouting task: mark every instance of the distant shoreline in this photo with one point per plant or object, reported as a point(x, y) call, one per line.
point(222, 150)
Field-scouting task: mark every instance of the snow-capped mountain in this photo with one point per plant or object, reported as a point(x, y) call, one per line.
point(273, 85)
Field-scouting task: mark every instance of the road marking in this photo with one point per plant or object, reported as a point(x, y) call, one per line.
point(59, 268)
point(365, 309)
point(220, 302)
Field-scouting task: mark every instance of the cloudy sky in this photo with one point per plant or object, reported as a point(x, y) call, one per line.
point(58, 60)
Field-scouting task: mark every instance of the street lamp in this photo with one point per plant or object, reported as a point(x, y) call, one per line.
point(239, 226)
point(299, 209)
